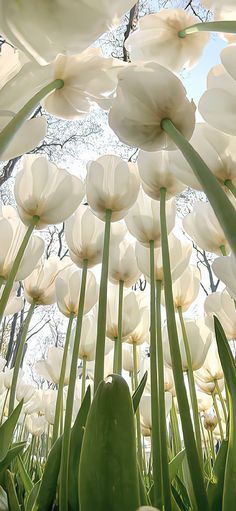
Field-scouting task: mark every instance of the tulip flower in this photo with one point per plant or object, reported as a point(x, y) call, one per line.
point(127, 358)
point(130, 316)
point(46, 191)
point(72, 27)
point(24, 391)
point(8, 376)
point(199, 337)
point(68, 287)
point(208, 387)
point(141, 333)
point(15, 303)
point(136, 118)
point(186, 288)
point(221, 305)
point(50, 368)
point(39, 287)
point(145, 408)
point(36, 425)
point(225, 269)
point(157, 40)
point(225, 13)
point(205, 402)
point(122, 265)
point(211, 369)
point(203, 227)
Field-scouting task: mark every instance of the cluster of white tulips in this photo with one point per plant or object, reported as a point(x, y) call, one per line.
point(140, 409)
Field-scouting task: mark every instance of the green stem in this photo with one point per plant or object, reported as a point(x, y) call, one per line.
point(223, 251)
point(220, 203)
point(139, 440)
point(177, 446)
point(187, 427)
point(63, 490)
point(14, 125)
point(115, 356)
point(15, 266)
point(222, 401)
point(192, 388)
point(162, 407)
point(210, 26)
point(156, 447)
point(83, 383)
point(230, 186)
point(4, 405)
point(211, 442)
point(102, 306)
point(59, 403)
point(19, 357)
point(119, 338)
point(218, 416)
point(203, 435)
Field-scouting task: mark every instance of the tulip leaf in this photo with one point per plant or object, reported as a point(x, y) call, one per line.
point(16, 449)
point(25, 478)
point(139, 392)
point(11, 492)
point(7, 431)
point(48, 486)
point(178, 500)
point(216, 484)
point(108, 472)
point(75, 450)
point(229, 368)
point(31, 498)
point(3, 500)
point(175, 464)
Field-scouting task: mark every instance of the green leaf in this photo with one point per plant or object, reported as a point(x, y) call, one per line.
point(31, 498)
point(175, 464)
point(77, 434)
point(25, 478)
point(16, 449)
point(48, 486)
point(7, 431)
point(139, 392)
point(229, 368)
point(178, 500)
point(216, 484)
point(3, 500)
point(11, 493)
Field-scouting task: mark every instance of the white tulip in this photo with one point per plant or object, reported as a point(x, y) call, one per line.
point(50, 368)
point(221, 305)
point(68, 287)
point(225, 269)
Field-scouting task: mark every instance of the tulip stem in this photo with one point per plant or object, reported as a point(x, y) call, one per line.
point(230, 185)
point(221, 400)
point(119, 337)
point(102, 305)
point(59, 403)
point(220, 203)
point(19, 357)
point(155, 415)
point(84, 373)
point(138, 426)
point(15, 124)
point(63, 490)
point(162, 407)
point(228, 27)
point(218, 416)
point(187, 427)
point(223, 251)
point(15, 266)
point(192, 388)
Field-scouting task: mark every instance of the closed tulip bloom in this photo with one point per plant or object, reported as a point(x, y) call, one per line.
point(50, 368)
point(143, 219)
point(42, 189)
point(145, 408)
point(225, 269)
point(127, 358)
point(180, 253)
point(111, 183)
point(147, 94)
point(186, 288)
point(39, 287)
point(15, 303)
point(72, 27)
point(199, 338)
point(130, 313)
point(205, 402)
point(203, 227)
point(221, 305)
point(24, 391)
point(141, 333)
point(8, 375)
point(68, 286)
point(211, 369)
point(12, 234)
point(157, 40)
point(156, 173)
point(218, 103)
point(87, 345)
point(84, 234)
point(122, 263)
point(208, 387)
point(36, 425)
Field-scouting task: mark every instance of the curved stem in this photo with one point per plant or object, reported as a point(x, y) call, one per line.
point(15, 266)
point(19, 357)
point(83, 383)
point(119, 338)
point(63, 490)
point(192, 388)
point(220, 203)
point(156, 447)
point(13, 126)
point(59, 407)
point(210, 26)
point(187, 427)
point(102, 305)
point(222, 401)
point(218, 416)
point(139, 440)
point(230, 185)
point(162, 406)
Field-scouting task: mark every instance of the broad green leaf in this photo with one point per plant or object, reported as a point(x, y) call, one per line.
point(31, 498)
point(48, 486)
point(108, 474)
point(7, 431)
point(25, 478)
point(139, 392)
point(75, 450)
point(3, 500)
point(216, 484)
point(11, 493)
point(229, 368)
point(16, 449)
point(175, 464)
point(178, 500)
point(183, 492)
